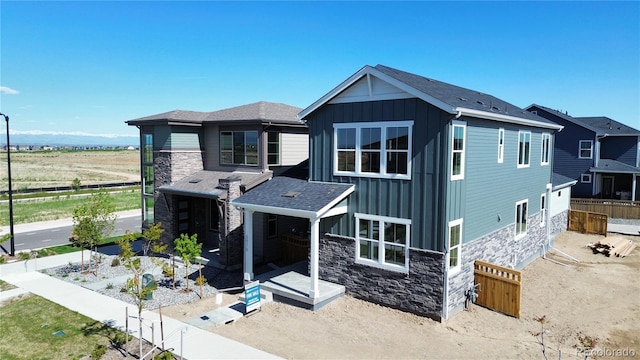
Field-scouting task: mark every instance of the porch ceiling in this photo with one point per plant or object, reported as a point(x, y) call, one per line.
point(293, 197)
point(205, 183)
point(614, 166)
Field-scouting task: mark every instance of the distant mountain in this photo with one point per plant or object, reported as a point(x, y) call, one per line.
point(74, 140)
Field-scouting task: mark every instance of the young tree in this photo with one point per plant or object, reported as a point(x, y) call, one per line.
point(188, 248)
point(134, 286)
point(94, 220)
point(151, 239)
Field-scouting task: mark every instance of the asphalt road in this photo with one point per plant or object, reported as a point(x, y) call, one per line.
point(53, 233)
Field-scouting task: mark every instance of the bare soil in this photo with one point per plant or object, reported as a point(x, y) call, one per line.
point(598, 297)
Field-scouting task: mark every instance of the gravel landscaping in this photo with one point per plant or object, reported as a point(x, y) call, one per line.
point(111, 279)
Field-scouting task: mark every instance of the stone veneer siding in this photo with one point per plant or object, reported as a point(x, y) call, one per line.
point(170, 166)
point(500, 248)
point(231, 231)
point(420, 291)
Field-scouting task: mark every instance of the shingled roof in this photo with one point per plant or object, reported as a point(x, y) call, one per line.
point(601, 125)
point(450, 98)
point(262, 112)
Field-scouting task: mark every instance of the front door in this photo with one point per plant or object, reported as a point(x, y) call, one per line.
point(183, 216)
point(607, 187)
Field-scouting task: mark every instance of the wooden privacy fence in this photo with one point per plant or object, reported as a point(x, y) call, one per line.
point(500, 288)
point(617, 209)
point(587, 222)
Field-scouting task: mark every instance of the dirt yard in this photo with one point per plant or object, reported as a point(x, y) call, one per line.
point(598, 297)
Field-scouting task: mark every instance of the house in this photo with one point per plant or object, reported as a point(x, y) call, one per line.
point(602, 154)
point(410, 181)
point(194, 163)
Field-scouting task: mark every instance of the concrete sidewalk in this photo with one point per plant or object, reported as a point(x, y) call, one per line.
point(626, 229)
point(186, 340)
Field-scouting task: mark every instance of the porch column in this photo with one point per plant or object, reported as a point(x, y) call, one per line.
point(248, 245)
point(633, 187)
point(314, 292)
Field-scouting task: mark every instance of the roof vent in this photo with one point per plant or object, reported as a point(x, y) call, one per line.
point(194, 181)
point(480, 102)
point(291, 194)
point(462, 99)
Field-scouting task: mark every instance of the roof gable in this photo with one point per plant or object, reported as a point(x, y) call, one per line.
point(366, 85)
point(601, 125)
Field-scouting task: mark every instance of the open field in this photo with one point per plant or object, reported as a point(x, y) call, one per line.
point(38, 169)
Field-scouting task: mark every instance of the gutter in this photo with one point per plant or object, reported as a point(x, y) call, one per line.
point(505, 118)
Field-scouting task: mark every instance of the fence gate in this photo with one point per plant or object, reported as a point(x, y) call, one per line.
point(588, 222)
point(500, 288)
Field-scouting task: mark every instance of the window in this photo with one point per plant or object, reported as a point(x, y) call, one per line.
point(524, 148)
point(214, 215)
point(382, 242)
point(148, 179)
point(543, 209)
point(272, 226)
point(273, 148)
point(585, 149)
point(455, 245)
point(500, 145)
point(457, 152)
point(545, 149)
point(373, 149)
point(239, 147)
point(521, 218)
point(585, 178)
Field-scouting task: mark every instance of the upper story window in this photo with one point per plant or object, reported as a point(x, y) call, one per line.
point(383, 242)
point(545, 149)
point(381, 149)
point(521, 218)
point(239, 147)
point(524, 148)
point(273, 148)
point(457, 151)
point(585, 150)
point(500, 145)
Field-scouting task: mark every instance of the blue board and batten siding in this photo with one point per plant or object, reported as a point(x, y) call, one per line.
point(486, 198)
point(420, 199)
point(620, 148)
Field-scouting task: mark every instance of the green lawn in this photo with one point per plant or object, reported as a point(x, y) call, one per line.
point(31, 329)
point(61, 207)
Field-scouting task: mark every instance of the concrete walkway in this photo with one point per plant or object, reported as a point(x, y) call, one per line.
point(626, 229)
point(188, 341)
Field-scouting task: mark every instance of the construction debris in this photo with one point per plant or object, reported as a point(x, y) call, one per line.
point(613, 246)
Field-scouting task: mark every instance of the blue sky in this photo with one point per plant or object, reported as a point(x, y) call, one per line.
point(89, 66)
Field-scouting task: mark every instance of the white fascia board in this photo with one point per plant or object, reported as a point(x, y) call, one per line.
point(322, 212)
point(506, 118)
point(566, 185)
point(276, 210)
point(369, 70)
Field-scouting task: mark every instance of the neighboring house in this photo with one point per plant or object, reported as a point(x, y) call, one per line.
point(194, 163)
point(602, 154)
point(410, 181)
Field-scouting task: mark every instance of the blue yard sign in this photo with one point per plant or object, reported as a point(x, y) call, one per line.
point(252, 296)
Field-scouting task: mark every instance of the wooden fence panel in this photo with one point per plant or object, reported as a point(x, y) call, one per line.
point(617, 209)
point(500, 288)
point(588, 222)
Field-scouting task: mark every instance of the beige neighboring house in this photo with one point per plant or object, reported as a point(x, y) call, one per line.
point(194, 163)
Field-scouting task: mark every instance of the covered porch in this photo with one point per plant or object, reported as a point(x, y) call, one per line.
point(301, 199)
point(616, 180)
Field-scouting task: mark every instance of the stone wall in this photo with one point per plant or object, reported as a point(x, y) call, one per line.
point(420, 291)
point(560, 222)
point(231, 232)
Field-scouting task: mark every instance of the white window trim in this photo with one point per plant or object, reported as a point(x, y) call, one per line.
point(528, 162)
point(520, 236)
point(380, 263)
point(455, 269)
point(590, 149)
point(588, 179)
point(454, 125)
point(548, 149)
point(501, 145)
point(543, 209)
point(383, 150)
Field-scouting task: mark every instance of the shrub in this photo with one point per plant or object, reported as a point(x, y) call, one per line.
point(201, 280)
point(109, 286)
point(119, 339)
point(164, 356)
point(167, 270)
point(2, 259)
point(115, 262)
point(98, 351)
point(25, 255)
